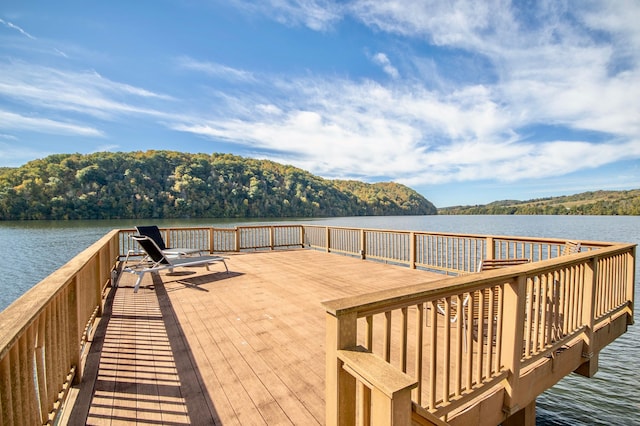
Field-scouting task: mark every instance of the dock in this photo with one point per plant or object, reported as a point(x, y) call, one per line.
point(210, 347)
point(313, 325)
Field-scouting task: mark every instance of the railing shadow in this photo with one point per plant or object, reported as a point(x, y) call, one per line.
point(140, 368)
point(200, 407)
point(80, 410)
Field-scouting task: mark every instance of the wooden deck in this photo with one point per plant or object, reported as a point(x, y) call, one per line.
point(207, 347)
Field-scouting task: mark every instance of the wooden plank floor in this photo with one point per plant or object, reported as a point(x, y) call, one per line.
point(207, 347)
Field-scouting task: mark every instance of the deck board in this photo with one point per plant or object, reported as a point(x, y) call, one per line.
point(247, 347)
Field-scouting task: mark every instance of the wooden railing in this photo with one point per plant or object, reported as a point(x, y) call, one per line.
point(438, 346)
point(444, 252)
point(477, 334)
point(450, 253)
point(44, 335)
point(222, 239)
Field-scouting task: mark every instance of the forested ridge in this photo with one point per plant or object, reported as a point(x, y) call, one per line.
point(168, 184)
point(586, 203)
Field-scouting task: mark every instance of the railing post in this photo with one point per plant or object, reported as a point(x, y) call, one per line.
point(340, 393)
point(412, 250)
point(491, 249)
point(302, 236)
point(237, 243)
point(328, 238)
point(385, 391)
point(167, 238)
point(631, 280)
point(211, 240)
point(513, 336)
point(363, 244)
point(395, 410)
point(272, 236)
point(590, 366)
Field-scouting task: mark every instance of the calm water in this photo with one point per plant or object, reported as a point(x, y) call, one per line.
point(29, 251)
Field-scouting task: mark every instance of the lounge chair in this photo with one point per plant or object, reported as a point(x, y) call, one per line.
point(490, 265)
point(153, 232)
point(455, 310)
point(571, 247)
point(160, 261)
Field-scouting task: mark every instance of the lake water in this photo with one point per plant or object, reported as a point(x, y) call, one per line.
point(29, 251)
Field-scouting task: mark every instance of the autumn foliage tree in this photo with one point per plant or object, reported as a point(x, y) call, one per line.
point(167, 184)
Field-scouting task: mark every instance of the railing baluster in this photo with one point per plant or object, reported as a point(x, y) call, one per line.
point(404, 343)
point(420, 326)
point(16, 383)
point(387, 336)
point(480, 336)
point(370, 332)
point(490, 330)
point(446, 350)
point(469, 337)
point(41, 367)
point(499, 324)
point(460, 324)
point(6, 390)
point(433, 354)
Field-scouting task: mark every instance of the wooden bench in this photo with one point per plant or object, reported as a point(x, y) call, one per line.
point(490, 264)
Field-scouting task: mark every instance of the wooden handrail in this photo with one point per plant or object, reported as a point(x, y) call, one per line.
point(540, 302)
point(43, 334)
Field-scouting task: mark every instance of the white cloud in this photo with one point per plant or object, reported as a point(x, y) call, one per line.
point(8, 137)
point(215, 70)
point(85, 94)
point(318, 15)
point(338, 128)
point(382, 60)
point(17, 28)
point(545, 70)
point(12, 121)
point(548, 71)
point(60, 52)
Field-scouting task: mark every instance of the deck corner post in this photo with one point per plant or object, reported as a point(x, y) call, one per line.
point(590, 366)
point(514, 313)
point(631, 280)
point(340, 392)
point(391, 411)
point(363, 244)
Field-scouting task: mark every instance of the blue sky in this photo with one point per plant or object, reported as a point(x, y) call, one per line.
point(467, 102)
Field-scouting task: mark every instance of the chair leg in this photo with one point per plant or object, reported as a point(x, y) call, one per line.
point(135, 287)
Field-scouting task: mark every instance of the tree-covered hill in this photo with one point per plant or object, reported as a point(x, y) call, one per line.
point(586, 203)
point(167, 184)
